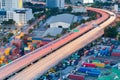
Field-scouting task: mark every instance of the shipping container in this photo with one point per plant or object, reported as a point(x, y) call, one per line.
point(33, 38)
point(29, 38)
point(107, 62)
point(17, 42)
point(116, 50)
point(2, 58)
point(31, 47)
point(89, 65)
point(88, 69)
point(7, 51)
point(98, 61)
point(95, 74)
point(43, 43)
point(99, 64)
point(20, 35)
point(29, 41)
point(76, 77)
point(11, 50)
point(1, 62)
point(116, 54)
point(35, 41)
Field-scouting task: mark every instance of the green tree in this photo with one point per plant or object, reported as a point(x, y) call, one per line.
point(118, 24)
point(10, 21)
point(30, 21)
point(10, 35)
point(9, 28)
point(82, 21)
point(74, 25)
point(69, 9)
point(110, 32)
point(27, 4)
point(4, 28)
point(68, 1)
point(4, 39)
point(118, 37)
point(58, 36)
point(38, 15)
point(48, 35)
point(30, 31)
point(15, 28)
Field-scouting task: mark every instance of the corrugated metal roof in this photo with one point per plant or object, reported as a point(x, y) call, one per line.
point(53, 31)
point(67, 18)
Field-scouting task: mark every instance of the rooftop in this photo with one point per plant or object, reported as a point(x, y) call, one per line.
point(53, 31)
point(67, 18)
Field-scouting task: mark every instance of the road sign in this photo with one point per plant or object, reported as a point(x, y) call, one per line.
point(75, 30)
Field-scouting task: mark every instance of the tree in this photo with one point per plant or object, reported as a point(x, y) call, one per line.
point(48, 35)
point(4, 28)
point(21, 29)
point(110, 32)
point(4, 23)
point(82, 21)
point(38, 15)
point(4, 39)
point(118, 24)
point(30, 31)
point(10, 35)
point(68, 1)
point(15, 28)
point(10, 21)
point(27, 4)
point(118, 37)
point(58, 36)
point(30, 21)
point(74, 25)
point(9, 28)
point(69, 9)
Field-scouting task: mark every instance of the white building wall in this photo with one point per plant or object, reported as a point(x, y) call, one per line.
point(57, 24)
point(23, 18)
point(9, 15)
point(81, 9)
point(61, 3)
point(29, 15)
point(116, 7)
point(88, 1)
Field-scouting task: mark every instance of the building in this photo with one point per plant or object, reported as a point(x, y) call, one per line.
point(12, 9)
point(11, 4)
point(88, 1)
point(22, 16)
point(3, 14)
point(61, 21)
point(116, 1)
point(80, 9)
point(55, 3)
point(116, 9)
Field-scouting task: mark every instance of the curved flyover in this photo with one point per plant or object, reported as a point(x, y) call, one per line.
point(43, 65)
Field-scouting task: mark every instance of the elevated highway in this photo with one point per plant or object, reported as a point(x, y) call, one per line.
point(76, 41)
